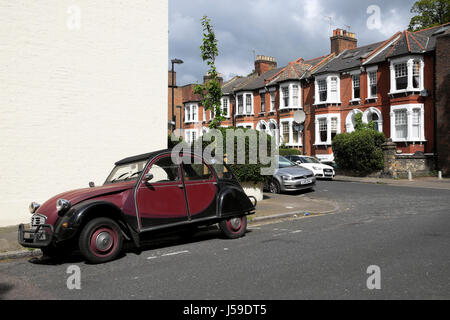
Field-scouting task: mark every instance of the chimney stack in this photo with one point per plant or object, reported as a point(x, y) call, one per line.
point(342, 40)
point(264, 64)
point(207, 77)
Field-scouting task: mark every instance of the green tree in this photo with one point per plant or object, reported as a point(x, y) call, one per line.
point(429, 13)
point(210, 91)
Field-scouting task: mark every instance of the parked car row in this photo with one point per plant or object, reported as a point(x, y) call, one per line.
point(296, 172)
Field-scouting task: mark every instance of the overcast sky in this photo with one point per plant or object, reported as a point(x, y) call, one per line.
point(284, 29)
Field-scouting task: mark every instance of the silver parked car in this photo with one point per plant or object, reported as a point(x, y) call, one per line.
point(290, 177)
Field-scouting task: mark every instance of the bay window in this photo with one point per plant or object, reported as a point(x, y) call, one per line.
point(407, 74)
point(290, 135)
point(290, 95)
point(327, 126)
point(407, 123)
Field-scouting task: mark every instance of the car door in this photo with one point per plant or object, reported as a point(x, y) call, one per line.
point(201, 189)
point(161, 200)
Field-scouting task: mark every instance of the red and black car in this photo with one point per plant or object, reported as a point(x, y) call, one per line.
point(142, 194)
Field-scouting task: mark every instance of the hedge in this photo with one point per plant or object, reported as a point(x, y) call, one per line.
point(359, 151)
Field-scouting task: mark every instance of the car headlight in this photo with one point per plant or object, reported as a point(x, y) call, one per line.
point(287, 177)
point(62, 205)
point(316, 168)
point(33, 207)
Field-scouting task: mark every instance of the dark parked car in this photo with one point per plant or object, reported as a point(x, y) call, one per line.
point(142, 194)
point(290, 177)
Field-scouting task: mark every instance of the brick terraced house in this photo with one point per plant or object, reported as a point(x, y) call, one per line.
point(391, 83)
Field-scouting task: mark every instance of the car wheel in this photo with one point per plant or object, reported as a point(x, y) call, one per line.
point(100, 240)
point(233, 228)
point(274, 186)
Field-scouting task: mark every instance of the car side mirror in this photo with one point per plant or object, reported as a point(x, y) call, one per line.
point(91, 184)
point(298, 162)
point(148, 177)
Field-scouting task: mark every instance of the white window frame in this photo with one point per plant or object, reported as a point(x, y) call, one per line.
point(365, 117)
point(272, 101)
point(227, 99)
point(328, 117)
point(409, 60)
point(290, 88)
point(290, 142)
point(190, 110)
point(188, 135)
point(369, 70)
point(248, 125)
point(349, 120)
point(331, 98)
point(244, 101)
point(352, 75)
point(409, 108)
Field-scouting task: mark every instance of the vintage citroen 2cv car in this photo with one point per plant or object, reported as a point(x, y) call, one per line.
point(142, 194)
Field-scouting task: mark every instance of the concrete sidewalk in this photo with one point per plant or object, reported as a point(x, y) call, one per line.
point(274, 206)
point(418, 182)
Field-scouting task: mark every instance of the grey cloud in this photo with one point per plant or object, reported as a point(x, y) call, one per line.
point(284, 29)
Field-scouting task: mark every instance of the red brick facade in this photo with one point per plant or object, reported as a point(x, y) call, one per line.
point(402, 69)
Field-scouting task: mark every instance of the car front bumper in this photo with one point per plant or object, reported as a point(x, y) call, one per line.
point(38, 237)
point(294, 185)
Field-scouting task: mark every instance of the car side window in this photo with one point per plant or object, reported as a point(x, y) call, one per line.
point(222, 171)
point(164, 170)
point(196, 171)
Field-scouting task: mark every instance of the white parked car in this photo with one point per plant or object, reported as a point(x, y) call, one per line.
point(319, 169)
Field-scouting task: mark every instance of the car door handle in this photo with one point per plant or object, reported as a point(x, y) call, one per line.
point(180, 186)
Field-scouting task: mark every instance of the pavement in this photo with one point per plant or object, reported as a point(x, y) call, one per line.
point(418, 182)
point(272, 207)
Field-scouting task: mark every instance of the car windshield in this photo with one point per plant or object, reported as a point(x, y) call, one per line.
point(125, 172)
point(310, 160)
point(283, 162)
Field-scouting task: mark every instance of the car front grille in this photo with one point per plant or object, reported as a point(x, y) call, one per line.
point(37, 220)
point(303, 177)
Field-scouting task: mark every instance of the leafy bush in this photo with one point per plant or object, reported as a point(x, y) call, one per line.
point(359, 151)
point(247, 172)
point(288, 151)
point(170, 143)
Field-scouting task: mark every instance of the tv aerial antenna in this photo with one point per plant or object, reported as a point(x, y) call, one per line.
point(330, 19)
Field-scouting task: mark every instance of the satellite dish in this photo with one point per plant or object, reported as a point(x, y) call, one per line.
point(299, 116)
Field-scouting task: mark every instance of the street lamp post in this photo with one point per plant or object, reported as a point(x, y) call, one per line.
point(173, 61)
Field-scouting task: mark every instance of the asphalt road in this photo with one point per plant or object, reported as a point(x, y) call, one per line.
point(404, 231)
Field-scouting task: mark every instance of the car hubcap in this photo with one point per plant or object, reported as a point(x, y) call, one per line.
point(235, 223)
point(273, 187)
point(103, 241)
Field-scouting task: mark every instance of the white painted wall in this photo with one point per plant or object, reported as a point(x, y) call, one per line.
point(82, 84)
